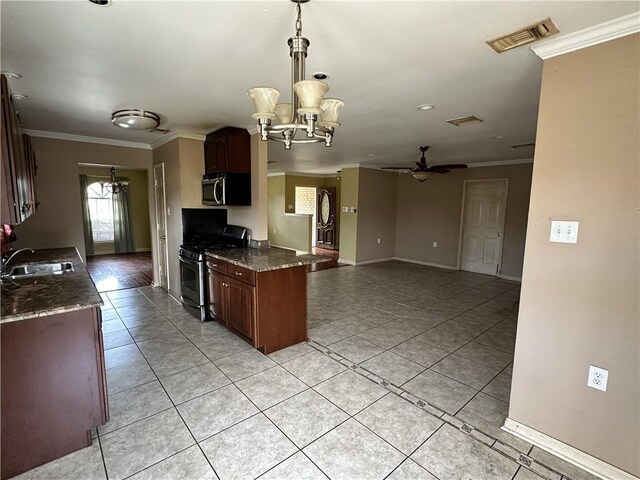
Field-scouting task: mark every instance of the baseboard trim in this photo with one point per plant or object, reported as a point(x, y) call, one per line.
point(139, 250)
point(348, 262)
point(510, 277)
point(375, 260)
point(427, 264)
point(566, 452)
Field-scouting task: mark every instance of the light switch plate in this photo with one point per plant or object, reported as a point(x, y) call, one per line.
point(564, 231)
point(345, 209)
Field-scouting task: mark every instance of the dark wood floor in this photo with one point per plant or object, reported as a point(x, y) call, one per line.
point(334, 254)
point(115, 272)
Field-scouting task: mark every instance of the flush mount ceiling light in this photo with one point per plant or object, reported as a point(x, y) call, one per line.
point(426, 106)
point(309, 118)
point(12, 75)
point(135, 119)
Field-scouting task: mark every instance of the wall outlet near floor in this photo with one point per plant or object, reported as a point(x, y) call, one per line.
point(598, 378)
point(435, 244)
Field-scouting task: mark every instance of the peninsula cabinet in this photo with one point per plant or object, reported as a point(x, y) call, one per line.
point(268, 308)
point(53, 387)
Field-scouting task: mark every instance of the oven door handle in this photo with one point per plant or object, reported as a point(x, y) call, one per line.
point(188, 301)
point(188, 261)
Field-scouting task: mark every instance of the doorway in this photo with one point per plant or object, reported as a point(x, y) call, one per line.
point(326, 218)
point(116, 227)
point(483, 214)
point(161, 225)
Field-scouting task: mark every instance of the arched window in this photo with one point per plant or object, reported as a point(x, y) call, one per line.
point(101, 209)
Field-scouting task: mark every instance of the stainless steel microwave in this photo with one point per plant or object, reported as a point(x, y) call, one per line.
point(227, 189)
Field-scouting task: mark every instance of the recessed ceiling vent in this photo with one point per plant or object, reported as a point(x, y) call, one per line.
point(462, 121)
point(523, 145)
point(541, 29)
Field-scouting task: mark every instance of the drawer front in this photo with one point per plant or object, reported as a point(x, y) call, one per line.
point(241, 273)
point(216, 265)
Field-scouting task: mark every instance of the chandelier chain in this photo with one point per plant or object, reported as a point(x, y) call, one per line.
point(298, 20)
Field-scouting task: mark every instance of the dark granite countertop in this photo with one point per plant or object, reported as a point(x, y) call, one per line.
point(261, 260)
point(39, 296)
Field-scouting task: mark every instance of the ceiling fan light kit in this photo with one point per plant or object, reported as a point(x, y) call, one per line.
point(422, 171)
point(309, 118)
point(135, 119)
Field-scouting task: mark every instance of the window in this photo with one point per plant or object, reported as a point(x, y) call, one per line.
point(101, 210)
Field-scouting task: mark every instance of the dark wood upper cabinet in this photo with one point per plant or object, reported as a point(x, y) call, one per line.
point(18, 165)
point(227, 150)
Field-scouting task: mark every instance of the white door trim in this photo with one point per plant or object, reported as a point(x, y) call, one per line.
point(164, 215)
point(461, 228)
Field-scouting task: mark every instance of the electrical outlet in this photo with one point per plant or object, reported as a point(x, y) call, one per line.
point(598, 378)
point(274, 231)
point(564, 232)
point(435, 244)
point(345, 209)
point(378, 241)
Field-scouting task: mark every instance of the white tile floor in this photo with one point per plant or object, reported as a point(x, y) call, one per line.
point(406, 376)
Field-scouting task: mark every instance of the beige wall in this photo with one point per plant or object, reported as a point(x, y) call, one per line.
point(579, 303)
point(286, 229)
point(377, 201)
point(430, 212)
point(58, 222)
point(139, 198)
point(349, 221)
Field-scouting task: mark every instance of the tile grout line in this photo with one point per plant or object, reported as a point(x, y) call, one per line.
point(522, 459)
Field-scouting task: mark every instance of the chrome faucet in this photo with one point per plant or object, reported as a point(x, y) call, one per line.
point(6, 262)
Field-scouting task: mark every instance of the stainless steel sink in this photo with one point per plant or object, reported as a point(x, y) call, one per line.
point(39, 269)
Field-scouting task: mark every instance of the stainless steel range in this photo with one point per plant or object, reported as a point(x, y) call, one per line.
point(193, 278)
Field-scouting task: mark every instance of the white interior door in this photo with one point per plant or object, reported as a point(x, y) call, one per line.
point(485, 203)
point(161, 222)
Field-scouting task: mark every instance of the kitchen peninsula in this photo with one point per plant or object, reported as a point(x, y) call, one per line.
point(53, 371)
point(261, 294)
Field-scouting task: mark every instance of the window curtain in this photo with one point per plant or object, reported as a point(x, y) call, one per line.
point(122, 231)
point(86, 216)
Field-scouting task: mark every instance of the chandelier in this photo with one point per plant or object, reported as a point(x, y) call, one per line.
point(114, 186)
point(309, 118)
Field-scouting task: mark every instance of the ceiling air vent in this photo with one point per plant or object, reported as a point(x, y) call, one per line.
point(462, 121)
point(523, 145)
point(541, 29)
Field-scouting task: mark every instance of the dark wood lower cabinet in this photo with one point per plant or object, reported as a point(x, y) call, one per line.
point(268, 309)
point(53, 387)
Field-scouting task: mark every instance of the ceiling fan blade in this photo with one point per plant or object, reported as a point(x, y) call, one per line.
point(451, 166)
point(395, 168)
point(437, 170)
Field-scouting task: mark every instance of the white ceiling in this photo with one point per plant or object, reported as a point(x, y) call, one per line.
point(192, 63)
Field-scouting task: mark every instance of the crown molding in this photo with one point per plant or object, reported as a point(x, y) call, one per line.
point(191, 135)
point(498, 163)
point(166, 138)
point(588, 37)
point(85, 139)
point(276, 174)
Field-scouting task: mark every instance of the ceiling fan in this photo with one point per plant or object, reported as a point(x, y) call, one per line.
point(422, 172)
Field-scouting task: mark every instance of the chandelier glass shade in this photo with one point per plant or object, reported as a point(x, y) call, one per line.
point(115, 186)
point(310, 117)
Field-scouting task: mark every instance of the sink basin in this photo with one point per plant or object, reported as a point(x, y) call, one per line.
point(39, 269)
